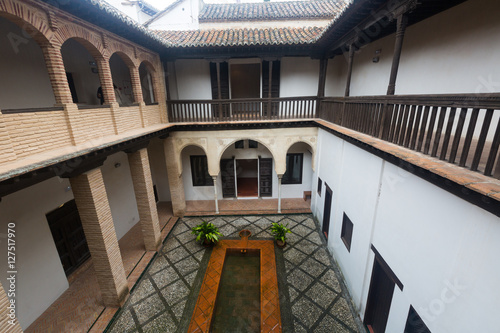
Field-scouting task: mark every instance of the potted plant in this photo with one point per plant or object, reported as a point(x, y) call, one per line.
point(206, 233)
point(279, 232)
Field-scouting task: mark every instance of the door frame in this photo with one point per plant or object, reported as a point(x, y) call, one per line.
point(328, 203)
point(371, 303)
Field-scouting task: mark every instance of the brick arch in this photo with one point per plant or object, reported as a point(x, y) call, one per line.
point(91, 41)
point(125, 51)
point(33, 21)
point(149, 59)
point(125, 57)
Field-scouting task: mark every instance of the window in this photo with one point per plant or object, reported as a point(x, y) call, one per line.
point(253, 144)
point(346, 234)
point(293, 174)
point(320, 185)
point(199, 171)
point(239, 144)
point(415, 324)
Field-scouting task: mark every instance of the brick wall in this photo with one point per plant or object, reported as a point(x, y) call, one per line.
point(95, 123)
point(128, 118)
point(152, 115)
point(36, 132)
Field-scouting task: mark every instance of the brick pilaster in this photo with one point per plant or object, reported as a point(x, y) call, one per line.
point(57, 74)
point(95, 213)
point(144, 195)
point(174, 178)
point(5, 325)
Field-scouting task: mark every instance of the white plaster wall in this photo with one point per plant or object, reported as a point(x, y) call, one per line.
point(120, 191)
point(25, 82)
point(432, 239)
point(453, 52)
point(76, 61)
point(442, 248)
point(336, 76)
point(299, 77)
point(448, 53)
point(40, 275)
point(159, 169)
point(193, 79)
point(183, 16)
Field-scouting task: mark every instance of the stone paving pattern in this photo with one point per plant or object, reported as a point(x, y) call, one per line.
point(312, 295)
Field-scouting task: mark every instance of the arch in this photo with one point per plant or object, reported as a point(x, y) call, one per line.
point(233, 141)
point(312, 146)
point(148, 58)
point(124, 76)
point(28, 18)
point(77, 54)
point(125, 57)
point(149, 82)
point(90, 40)
point(125, 50)
point(184, 145)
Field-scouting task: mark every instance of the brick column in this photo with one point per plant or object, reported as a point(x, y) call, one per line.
point(7, 324)
point(62, 94)
point(136, 84)
point(57, 74)
point(144, 195)
point(93, 207)
point(106, 80)
point(175, 178)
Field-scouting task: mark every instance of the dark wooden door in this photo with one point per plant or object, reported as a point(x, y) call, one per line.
point(327, 211)
point(266, 177)
point(379, 299)
point(67, 231)
point(228, 181)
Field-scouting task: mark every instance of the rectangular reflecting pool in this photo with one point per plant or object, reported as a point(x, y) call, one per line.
point(237, 307)
point(239, 292)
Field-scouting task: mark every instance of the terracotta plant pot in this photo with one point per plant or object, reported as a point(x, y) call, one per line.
point(280, 243)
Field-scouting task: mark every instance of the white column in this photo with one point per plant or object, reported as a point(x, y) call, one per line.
point(279, 193)
point(215, 195)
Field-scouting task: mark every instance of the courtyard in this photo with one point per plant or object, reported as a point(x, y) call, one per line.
point(312, 295)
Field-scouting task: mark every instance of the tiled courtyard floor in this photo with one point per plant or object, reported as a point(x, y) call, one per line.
point(312, 296)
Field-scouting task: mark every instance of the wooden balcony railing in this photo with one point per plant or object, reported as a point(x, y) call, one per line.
point(460, 129)
point(242, 109)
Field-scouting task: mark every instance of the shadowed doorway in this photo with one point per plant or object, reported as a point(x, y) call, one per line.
point(247, 178)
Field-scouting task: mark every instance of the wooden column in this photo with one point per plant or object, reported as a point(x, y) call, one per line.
point(400, 33)
point(97, 221)
point(349, 70)
point(145, 198)
point(323, 64)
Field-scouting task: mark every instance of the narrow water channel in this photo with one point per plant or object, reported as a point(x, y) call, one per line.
point(237, 308)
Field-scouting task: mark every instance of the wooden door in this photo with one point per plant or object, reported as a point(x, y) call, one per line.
point(379, 299)
point(67, 231)
point(228, 180)
point(327, 210)
point(266, 177)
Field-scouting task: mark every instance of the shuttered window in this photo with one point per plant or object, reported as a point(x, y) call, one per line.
point(199, 171)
